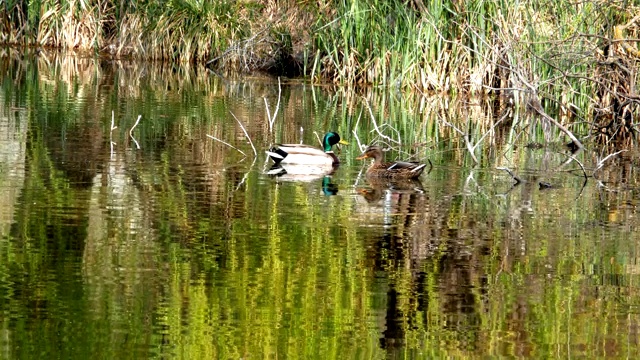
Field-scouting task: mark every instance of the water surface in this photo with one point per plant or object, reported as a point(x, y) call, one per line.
point(156, 241)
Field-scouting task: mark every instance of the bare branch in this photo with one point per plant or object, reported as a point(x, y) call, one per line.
point(255, 153)
point(270, 117)
point(601, 162)
point(507, 113)
point(318, 137)
point(375, 125)
point(226, 143)
point(113, 127)
point(465, 137)
point(131, 131)
point(514, 176)
point(584, 172)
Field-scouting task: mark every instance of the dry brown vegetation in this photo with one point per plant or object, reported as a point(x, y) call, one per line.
point(574, 60)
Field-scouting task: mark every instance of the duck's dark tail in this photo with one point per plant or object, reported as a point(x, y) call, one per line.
point(276, 154)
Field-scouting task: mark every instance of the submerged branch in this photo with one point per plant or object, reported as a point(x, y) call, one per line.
point(584, 172)
point(360, 146)
point(113, 127)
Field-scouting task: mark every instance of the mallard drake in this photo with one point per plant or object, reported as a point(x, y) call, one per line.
point(394, 170)
point(301, 154)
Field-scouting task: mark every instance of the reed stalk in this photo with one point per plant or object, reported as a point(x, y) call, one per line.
point(575, 59)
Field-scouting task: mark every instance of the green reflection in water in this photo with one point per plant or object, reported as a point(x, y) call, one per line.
point(183, 249)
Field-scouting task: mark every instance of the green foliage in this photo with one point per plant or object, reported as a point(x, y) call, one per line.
point(463, 47)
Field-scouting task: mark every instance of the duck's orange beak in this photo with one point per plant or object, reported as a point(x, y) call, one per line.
point(362, 157)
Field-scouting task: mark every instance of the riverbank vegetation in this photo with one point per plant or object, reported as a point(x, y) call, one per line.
point(576, 60)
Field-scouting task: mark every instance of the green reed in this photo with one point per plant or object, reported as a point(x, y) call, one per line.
point(465, 47)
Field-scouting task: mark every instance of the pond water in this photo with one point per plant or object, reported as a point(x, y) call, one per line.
point(153, 240)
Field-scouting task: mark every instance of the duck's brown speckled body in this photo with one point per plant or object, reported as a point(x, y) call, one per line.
point(394, 170)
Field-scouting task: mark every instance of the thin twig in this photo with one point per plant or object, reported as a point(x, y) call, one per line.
point(266, 105)
point(136, 124)
point(360, 146)
point(538, 108)
point(601, 162)
point(131, 131)
point(465, 137)
point(275, 112)
point(255, 153)
point(375, 125)
point(514, 176)
point(318, 137)
point(113, 127)
point(272, 118)
point(226, 143)
point(584, 172)
point(507, 113)
point(246, 175)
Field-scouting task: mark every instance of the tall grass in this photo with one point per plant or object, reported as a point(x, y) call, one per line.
point(432, 45)
point(560, 54)
point(182, 30)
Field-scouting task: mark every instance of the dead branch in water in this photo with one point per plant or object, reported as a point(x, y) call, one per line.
point(535, 105)
point(113, 127)
point(515, 177)
point(272, 118)
point(465, 137)
point(584, 172)
point(355, 134)
point(226, 143)
point(472, 147)
point(255, 153)
point(377, 129)
point(131, 132)
point(600, 163)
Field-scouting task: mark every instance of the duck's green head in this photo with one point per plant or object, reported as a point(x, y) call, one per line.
point(330, 139)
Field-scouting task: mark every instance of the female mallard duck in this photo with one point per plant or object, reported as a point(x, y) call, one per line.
point(394, 170)
point(300, 154)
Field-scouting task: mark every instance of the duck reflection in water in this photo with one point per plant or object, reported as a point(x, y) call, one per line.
point(302, 173)
point(395, 212)
point(378, 187)
point(305, 174)
point(328, 187)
